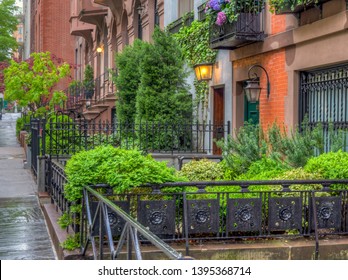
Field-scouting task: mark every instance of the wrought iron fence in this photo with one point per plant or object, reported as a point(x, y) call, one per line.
point(67, 136)
point(203, 211)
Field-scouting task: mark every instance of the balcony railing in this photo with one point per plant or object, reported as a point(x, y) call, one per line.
point(103, 87)
point(247, 29)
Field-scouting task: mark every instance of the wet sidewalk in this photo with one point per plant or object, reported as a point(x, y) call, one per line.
point(23, 232)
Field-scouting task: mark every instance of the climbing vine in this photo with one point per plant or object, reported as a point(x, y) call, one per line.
point(194, 42)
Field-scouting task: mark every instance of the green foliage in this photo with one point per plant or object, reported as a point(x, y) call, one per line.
point(279, 5)
point(88, 81)
point(62, 135)
point(201, 170)
point(75, 88)
point(21, 124)
point(65, 220)
point(290, 150)
point(300, 174)
point(163, 94)
point(247, 147)
point(72, 242)
point(195, 45)
point(119, 168)
point(32, 84)
point(332, 165)
point(8, 24)
point(263, 169)
point(128, 80)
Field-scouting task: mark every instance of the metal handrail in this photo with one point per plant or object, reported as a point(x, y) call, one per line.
point(130, 231)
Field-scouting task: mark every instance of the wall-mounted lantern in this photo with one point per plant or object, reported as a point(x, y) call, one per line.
point(204, 71)
point(252, 88)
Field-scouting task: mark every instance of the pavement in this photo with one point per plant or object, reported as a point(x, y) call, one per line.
point(23, 230)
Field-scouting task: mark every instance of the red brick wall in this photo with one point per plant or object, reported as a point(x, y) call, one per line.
point(272, 109)
point(54, 33)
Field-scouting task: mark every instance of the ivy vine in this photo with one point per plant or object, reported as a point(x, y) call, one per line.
point(194, 42)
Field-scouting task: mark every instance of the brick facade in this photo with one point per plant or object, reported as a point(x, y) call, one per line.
point(50, 23)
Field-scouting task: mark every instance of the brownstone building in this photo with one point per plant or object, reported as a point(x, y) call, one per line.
point(100, 29)
point(50, 30)
point(304, 52)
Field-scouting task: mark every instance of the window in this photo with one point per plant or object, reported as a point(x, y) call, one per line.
point(324, 99)
point(185, 6)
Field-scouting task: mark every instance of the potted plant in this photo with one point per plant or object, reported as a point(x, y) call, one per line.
point(75, 88)
point(292, 6)
point(88, 82)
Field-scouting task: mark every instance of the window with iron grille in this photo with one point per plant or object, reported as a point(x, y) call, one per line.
point(324, 99)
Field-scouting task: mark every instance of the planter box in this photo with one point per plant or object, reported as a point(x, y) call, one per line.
point(300, 8)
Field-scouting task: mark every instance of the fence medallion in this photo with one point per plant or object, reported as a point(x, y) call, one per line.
point(116, 222)
point(285, 213)
point(203, 216)
point(328, 211)
point(158, 216)
point(243, 214)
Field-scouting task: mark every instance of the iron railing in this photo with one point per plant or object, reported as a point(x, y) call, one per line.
point(206, 211)
point(66, 137)
point(78, 96)
point(98, 224)
point(55, 181)
point(248, 28)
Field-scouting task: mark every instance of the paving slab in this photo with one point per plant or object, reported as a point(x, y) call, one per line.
point(23, 230)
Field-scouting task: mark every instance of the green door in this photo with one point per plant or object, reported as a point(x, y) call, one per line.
point(251, 112)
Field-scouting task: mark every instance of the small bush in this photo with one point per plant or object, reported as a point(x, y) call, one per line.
point(264, 169)
point(202, 170)
point(333, 165)
point(119, 168)
point(301, 174)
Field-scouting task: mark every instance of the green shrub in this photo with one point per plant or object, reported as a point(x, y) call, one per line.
point(21, 123)
point(247, 147)
point(301, 174)
point(333, 165)
point(202, 170)
point(119, 168)
point(71, 243)
point(263, 169)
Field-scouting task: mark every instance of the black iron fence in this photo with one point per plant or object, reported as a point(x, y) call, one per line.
point(198, 211)
point(66, 136)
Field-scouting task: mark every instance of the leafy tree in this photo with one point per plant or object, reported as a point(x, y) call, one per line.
point(32, 82)
point(128, 80)
point(163, 94)
point(8, 24)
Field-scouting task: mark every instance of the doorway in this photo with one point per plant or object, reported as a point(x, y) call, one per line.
point(219, 118)
point(251, 111)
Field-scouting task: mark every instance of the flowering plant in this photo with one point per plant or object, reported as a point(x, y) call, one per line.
point(223, 11)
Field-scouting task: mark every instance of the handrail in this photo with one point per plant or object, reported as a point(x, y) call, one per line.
point(133, 226)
